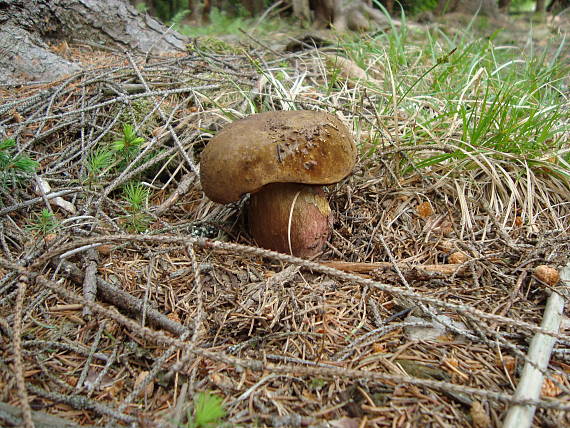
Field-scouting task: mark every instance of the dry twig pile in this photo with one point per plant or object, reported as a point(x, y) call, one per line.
point(191, 305)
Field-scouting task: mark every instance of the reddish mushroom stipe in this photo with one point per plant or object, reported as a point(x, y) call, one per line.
point(290, 218)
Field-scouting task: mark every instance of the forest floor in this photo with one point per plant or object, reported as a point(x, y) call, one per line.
point(418, 313)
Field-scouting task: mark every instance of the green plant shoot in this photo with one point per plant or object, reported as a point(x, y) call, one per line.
point(14, 168)
point(129, 144)
point(208, 411)
point(44, 223)
point(136, 195)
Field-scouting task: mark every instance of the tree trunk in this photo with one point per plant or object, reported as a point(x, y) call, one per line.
point(504, 5)
point(28, 26)
point(323, 12)
point(206, 9)
point(193, 8)
point(540, 6)
point(344, 15)
point(254, 7)
point(557, 6)
point(471, 7)
point(302, 10)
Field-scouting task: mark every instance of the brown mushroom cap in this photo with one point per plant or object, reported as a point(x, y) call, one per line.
point(308, 147)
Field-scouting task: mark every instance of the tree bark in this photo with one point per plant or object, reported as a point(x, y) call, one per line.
point(28, 27)
point(344, 15)
point(301, 10)
point(206, 9)
point(504, 5)
point(471, 7)
point(557, 6)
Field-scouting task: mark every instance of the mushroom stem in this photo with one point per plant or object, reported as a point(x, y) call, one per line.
point(290, 218)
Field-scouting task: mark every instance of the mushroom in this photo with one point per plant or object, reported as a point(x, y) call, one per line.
point(281, 158)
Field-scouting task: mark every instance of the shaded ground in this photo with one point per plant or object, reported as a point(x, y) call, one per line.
point(285, 342)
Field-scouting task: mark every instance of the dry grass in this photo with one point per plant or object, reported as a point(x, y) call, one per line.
point(285, 342)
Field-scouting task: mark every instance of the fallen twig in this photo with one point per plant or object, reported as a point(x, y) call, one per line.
point(181, 190)
point(81, 403)
point(360, 267)
point(124, 300)
point(19, 371)
point(13, 416)
point(307, 264)
point(33, 201)
point(289, 369)
point(530, 384)
point(90, 279)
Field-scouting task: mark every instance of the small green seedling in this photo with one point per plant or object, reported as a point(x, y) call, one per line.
point(114, 157)
point(44, 223)
point(14, 168)
point(136, 196)
point(208, 411)
point(129, 144)
point(316, 384)
point(99, 161)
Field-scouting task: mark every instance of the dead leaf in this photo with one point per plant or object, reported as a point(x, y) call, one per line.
point(42, 187)
point(549, 388)
point(457, 257)
point(148, 389)
point(17, 116)
point(174, 317)
point(507, 362)
point(104, 249)
point(92, 375)
point(425, 209)
point(49, 238)
point(223, 381)
point(547, 274)
point(479, 415)
point(378, 348)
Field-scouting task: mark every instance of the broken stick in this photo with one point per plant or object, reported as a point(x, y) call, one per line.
point(538, 357)
point(362, 268)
